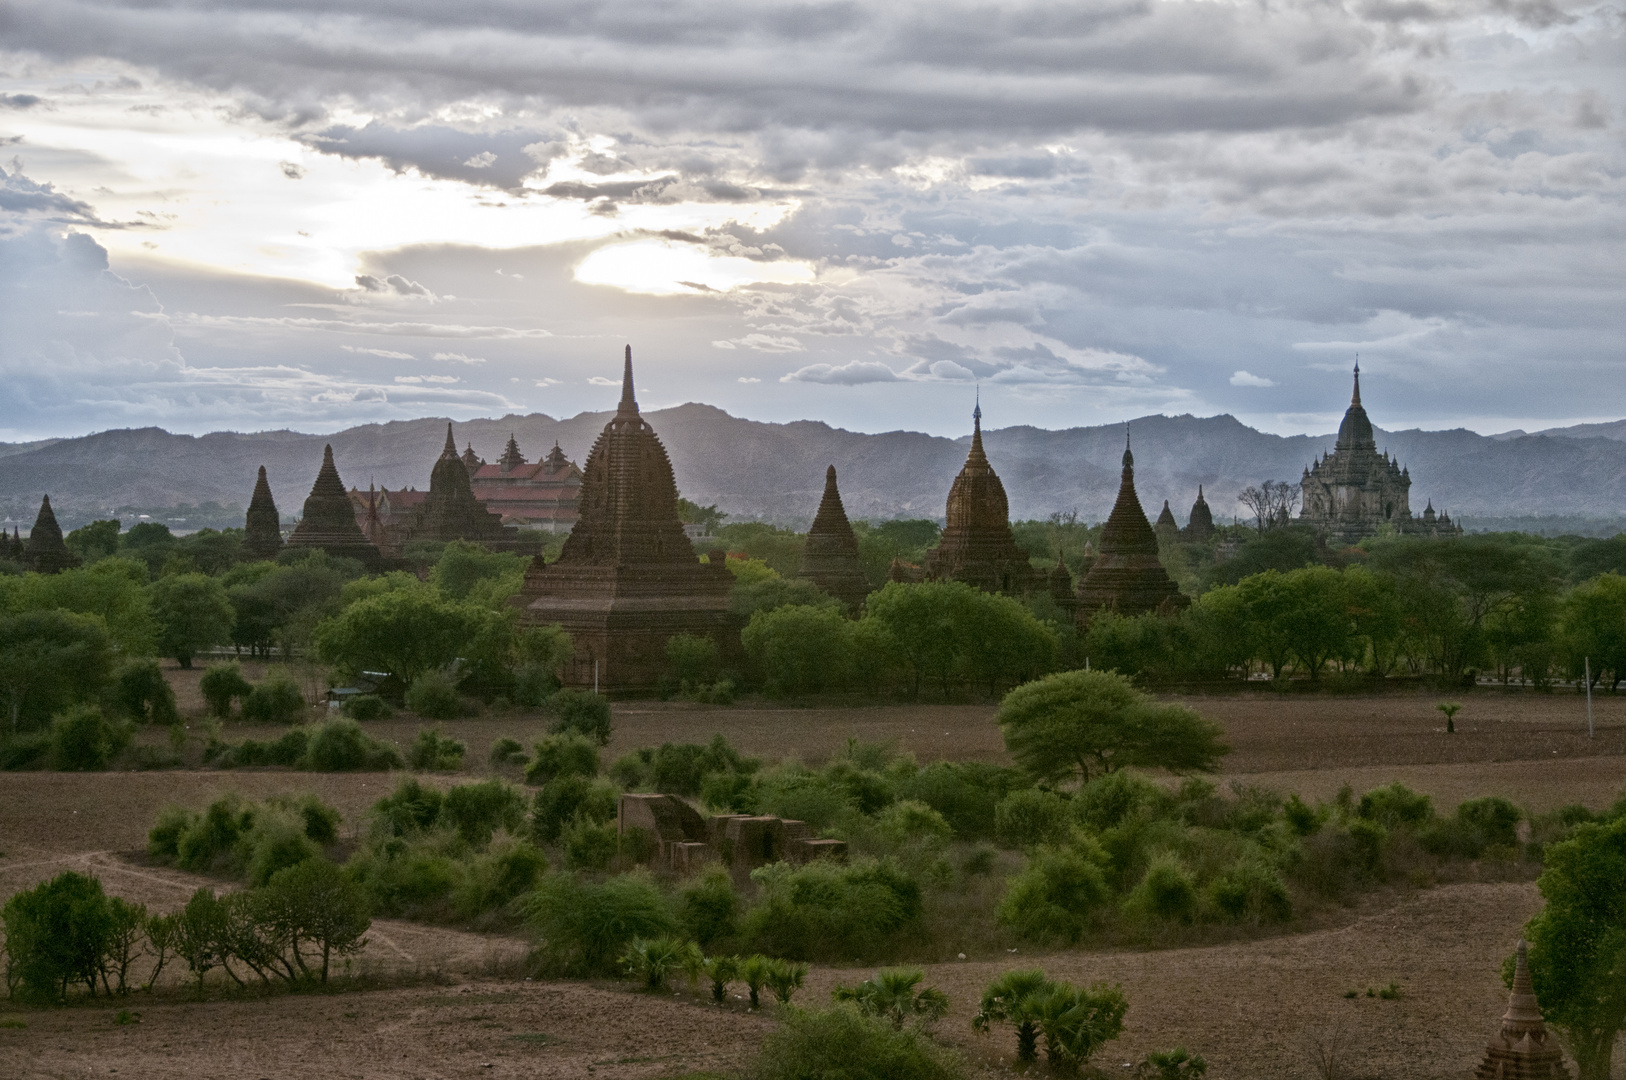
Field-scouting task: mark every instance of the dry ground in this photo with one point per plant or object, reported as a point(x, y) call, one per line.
point(1249, 1006)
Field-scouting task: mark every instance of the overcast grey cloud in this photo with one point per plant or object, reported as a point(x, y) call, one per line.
point(847, 211)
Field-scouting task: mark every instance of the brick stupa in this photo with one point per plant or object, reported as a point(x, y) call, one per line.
point(1522, 1050)
point(1126, 576)
point(977, 546)
point(1200, 526)
point(45, 552)
point(451, 512)
point(262, 531)
point(830, 556)
point(628, 579)
point(329, 522)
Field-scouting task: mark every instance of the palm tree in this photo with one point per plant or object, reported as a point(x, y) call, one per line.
point(785, 978)
point(754, 971)
point(892, 996)
point(722, 970)
point(1011, 999)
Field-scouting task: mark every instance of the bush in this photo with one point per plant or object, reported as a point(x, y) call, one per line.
point(1477, 825)
point(1250, 891)
point(827, 910)
point(24, 751)
point(892, 996)
point(222, 684)
point(433, 752)
point(1055, 895)
point(83, 739)
point(1030, 817)
point(368, 707)
point(508, 869)
point(1075, 1022)
point(57, 934)
point(1395, 805)
point(589, 845)
point(141, 693)
point(534, 684)
point(341, 746)
point(506, 751)
point(563, 755)
point(582, 712)
point(567, 798)
point(841, 1042)
point(433, 696)
point(288, 750)
point(708, 907)
point(275, 842)
point(680, 768)
point(411, 807)
point(312, 904)
point(232, 836)
point(1165, 893)
point(966, 793)
point(582, 926)
point(1107, 801)
point(477, 811)
point(654, 961)
point(693, 661)
point(276, 700)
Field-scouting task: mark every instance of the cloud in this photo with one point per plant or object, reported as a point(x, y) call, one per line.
point(385, 353)
point(1243, 378)
point(392, 283)
point(359, 326)
point(21, 197)
point(749, 379)
point(599, 380)
point(761, 343)
point(292, 170)
point(852, 373)
point(431, 379)
point(458, 358)
point(19, 101)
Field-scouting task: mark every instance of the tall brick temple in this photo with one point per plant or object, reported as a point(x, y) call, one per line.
point(628, 578)
point(329, 523)
point(977, 546)
point(830, 555)
point(1127, 577)
point(262, 528)
point(45, 552)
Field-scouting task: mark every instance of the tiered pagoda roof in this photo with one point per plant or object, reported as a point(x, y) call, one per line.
point(45, 552)
point(262, 531)
point(1522, 1050)
point(1127, 577)
point(628, 579)
point(450, 511)
point(1200, 526)
point(977, 546)
point(830, 556)
point(329, 521)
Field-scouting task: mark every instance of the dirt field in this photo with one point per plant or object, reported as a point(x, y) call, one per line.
point(1250, 1007)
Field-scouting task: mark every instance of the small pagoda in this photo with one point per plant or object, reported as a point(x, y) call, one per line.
point(1200, 526)
point(977, 546)
point(262, 532)
point(1127, 577)
point(45, 552)
point(830, 556)
point(329, 521)
point(628, 579)
point(1522, 1050)
point(451, 512)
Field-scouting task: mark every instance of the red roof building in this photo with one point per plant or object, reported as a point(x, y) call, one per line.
point(540, 495)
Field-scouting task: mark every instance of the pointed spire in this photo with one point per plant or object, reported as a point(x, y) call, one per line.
point(1129, 459)
point(1356, 400)
point(629, 404)
point(977, 455)
point(1523, 1014)
point(451, 444)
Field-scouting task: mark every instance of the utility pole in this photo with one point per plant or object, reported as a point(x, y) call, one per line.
point(1588, 663)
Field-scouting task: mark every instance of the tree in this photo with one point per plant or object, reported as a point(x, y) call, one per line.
point(409, 632)
point(1013, 999)
point(1578, 943)
point(1595, 627)
point(141, 693)
point(48, 661)
point(57, 934)
point(1315, 620)
point(467, 571)
point(892, 996)
point(1064, 727)
point(800, 649)
point(1075, 1022)
point(114, 589)
point(1272, 503)
point(313, 905)
point(95, 541)
point(193, 613)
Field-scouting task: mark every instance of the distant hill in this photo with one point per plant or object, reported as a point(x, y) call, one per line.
point(776, 471)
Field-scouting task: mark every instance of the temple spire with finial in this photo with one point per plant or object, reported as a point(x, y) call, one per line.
point(1356, 399)
point(1129, 457)
point(629, 404)
point(451, 443)
point(977, 453)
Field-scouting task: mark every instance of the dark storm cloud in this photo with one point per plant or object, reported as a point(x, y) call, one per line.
point(31, 200)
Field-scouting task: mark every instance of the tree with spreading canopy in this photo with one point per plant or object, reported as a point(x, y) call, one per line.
point(193, 613)
point(50, 660)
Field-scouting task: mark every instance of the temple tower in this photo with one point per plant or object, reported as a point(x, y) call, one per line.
point(830, 556)
point(262, 531)
point(1200, 526)
point(45, 552)
point(450, 511)
point(977, 546)
point(329, 521)
point(628, 579)
point(1522, 1050)
point(1126, 576)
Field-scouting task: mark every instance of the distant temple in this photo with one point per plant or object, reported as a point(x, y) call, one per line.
point(1355, 491)
point(1200, 526)
point(45, 552)
point(329, 523)
point(830, 555)
point(1522, 1050)
point(628, 578)
point(262, 531)
point(450, 510)
point(977, 546)
point(543, 495)
point(1127, 576)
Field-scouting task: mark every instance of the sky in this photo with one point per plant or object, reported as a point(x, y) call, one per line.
point(248, 216)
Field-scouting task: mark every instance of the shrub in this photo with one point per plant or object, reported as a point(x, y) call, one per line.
point(1013, 999)
point(509, 868)
point(785, 977)
point(433, 752)
point(1165, 893)
point(827, 910)
point(231, 835)
point(1055, 895)
point(708, 907)
point(57, 934)
point(562, 755)
point(892, 996)
point(909, 822)
point(276, 700)
point(24, 751)
point(410, 808)
point(1107, 801)
point(275, 841)
point(721, 970)
point(341, 746)
point(222, 684)
point(680, 768)
point(582, 712)
point(83, 739)
point(288, 749)
point(433, 696)
point(1395, 805)
point(506, 751)
point(966, 793)
point(1332, 864)
point(1303, 819)
point(841, 1042)
point(693, 661)
point(140, 692)
point(413, 876)
point(1075, 1022)
point(368, 707)
point(754, 973)
point(583, 926)
point(314, 904)
point(477, 811)
point(589, 845)
point(566, 798)
point(1176, 1064)
point(1030, 817)
point(1251, 891)
point(534, 684)
point(653, 961)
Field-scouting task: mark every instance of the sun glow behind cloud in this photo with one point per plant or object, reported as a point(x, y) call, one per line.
point(662, 267)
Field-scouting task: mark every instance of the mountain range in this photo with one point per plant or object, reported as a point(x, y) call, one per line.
point(775, 472)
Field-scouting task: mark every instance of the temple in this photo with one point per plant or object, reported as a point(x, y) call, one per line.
point(45, 552)
point(1200, 525)
point(1522, 1050)
point(977, 546)
point(329, 523)
point(830, 555)
point(1127, 577)
point(628, 578)
point(262, 531)
point(1355, 491)
point(451, 512)
point(540, 495)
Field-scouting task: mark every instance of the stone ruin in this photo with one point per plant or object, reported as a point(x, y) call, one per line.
point(1522, 1050)
point(683, 841)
